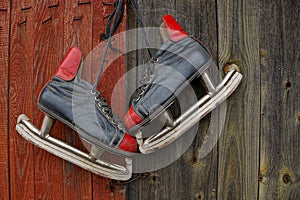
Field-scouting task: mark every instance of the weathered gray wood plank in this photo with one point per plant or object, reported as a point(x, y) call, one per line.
point(280, 102)
point(238, 33)
point(154, 185)
point(189, 177)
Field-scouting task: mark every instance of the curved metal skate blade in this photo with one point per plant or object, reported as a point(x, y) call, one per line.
point(58, 148)
point(204, 106)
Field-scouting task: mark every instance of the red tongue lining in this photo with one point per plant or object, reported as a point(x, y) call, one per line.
point(175, 31)
point(69, 66)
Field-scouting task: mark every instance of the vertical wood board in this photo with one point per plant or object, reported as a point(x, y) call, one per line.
point(111, 85)
point(47, 54)
point(280, 91)
point(20, 97)
point(77, 32)
point(238, 42)
point(4, 87)
point(189, 177)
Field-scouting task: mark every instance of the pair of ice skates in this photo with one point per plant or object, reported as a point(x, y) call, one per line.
point(77, 103)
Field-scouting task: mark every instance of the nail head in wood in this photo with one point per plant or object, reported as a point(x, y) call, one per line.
point(53, 6)
point(107, 4)
point(77, 18)
point(83, 3)
point(22, 22)
point(46, 20)
point(26, 8)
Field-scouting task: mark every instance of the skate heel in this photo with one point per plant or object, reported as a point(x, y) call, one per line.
point(95, 152)
point(47, 126)
point(167, 118)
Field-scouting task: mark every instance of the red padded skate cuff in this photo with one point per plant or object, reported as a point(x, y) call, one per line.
point(175, 31)
point(129, 143)
point(131, 118)
point(69, 66)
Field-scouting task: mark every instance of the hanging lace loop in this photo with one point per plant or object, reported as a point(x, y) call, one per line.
point(114, 19)
point(113, 22)
point(133, 5)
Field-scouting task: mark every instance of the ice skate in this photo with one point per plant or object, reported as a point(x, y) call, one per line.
point(179, 61)
point(76, 103)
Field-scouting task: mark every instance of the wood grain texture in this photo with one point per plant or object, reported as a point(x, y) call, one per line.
point(4, 69)
point(258, 153)
point(238, 42)
point(200, 20)
point(78, 32)
point(112, 82)
point(20, 97)
point(155, 184)
point(189, 177)
point(111, 86)
point(47, 56)
point(280, 89)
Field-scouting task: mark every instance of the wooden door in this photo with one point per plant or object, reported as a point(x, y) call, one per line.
point(257, 155)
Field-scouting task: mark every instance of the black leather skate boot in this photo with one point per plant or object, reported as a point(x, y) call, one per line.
point(179, 60)
point(74, 102)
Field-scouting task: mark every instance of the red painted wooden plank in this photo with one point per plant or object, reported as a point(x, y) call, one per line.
point(47, 56)
point(103, 188)
point(77, 31)
point(4, 66)
point(20, 99)
point(112, 82)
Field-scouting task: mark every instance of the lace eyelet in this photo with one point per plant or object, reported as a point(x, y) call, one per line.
point(138, 98)
point(141, 92)
point(153, 60)
point(120, 126)
point(108, 117)
point(93, 92)
point(113, 121)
